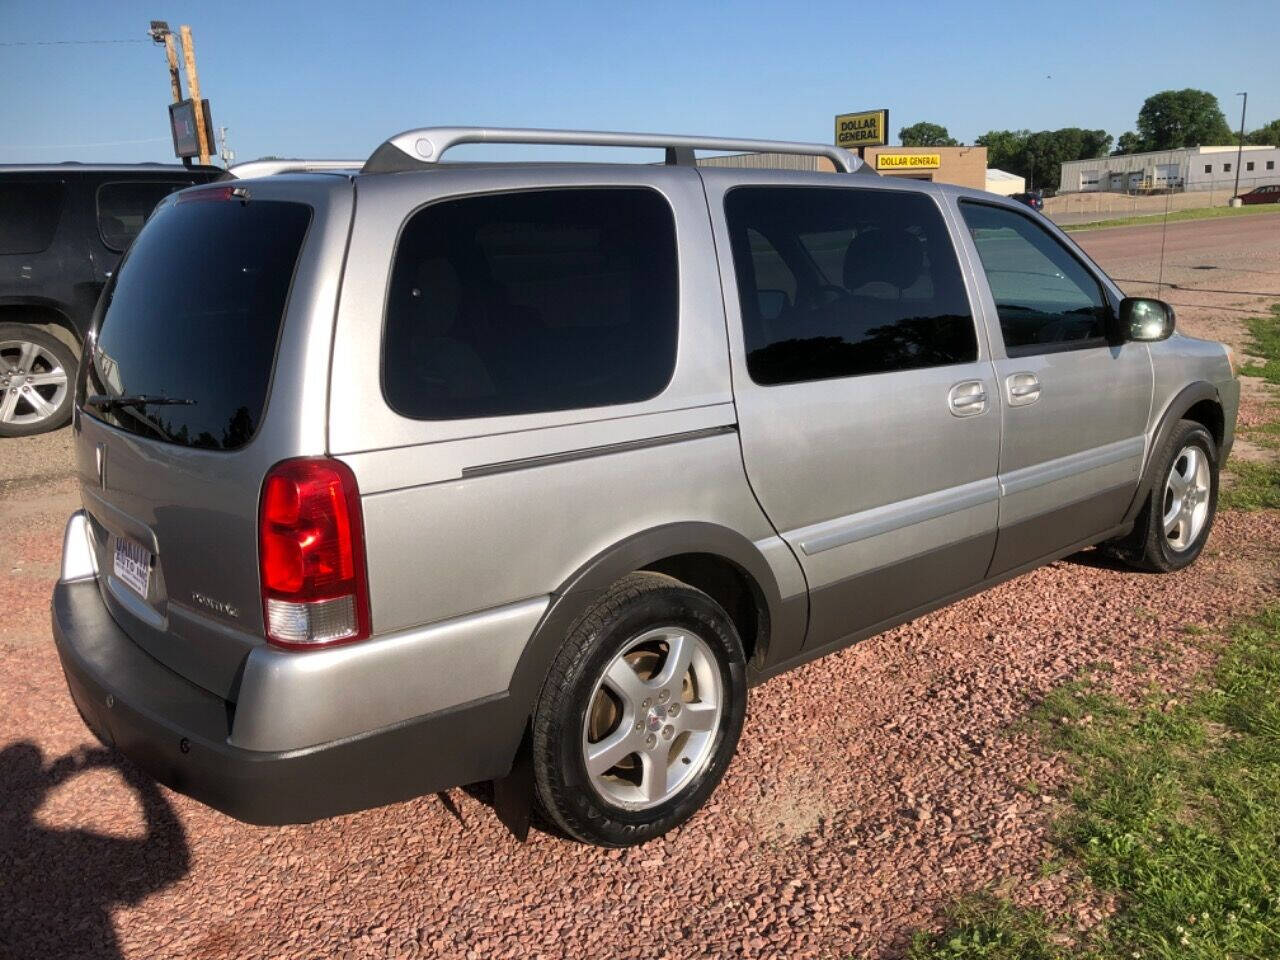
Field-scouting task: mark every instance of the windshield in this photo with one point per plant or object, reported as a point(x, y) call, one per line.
point(193, 315)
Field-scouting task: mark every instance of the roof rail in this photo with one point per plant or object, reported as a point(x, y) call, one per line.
point(419, 149)
point(268, 168)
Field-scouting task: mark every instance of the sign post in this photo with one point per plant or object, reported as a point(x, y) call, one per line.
point(856, 131)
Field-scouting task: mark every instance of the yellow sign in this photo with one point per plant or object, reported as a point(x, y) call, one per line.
point(908, 161)
point(867, 129)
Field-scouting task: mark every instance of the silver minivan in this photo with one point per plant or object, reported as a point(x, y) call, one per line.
point(410, 474)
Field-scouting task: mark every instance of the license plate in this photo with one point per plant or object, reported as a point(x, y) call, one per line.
point(133, 565)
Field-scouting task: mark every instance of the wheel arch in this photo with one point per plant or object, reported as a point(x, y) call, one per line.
point(1198, 401)
point(715, 559)
point(44, 314)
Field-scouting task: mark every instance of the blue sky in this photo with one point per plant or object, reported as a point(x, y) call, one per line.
point(333, 79)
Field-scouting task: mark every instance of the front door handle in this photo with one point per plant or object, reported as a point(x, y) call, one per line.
point(1023, 389)
point(968, 398)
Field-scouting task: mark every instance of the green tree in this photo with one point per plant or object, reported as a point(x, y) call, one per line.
point(1182, 118)
point(1127, 143)
point(925, 134)
point(1268, 136)
point(1006, 149)
point(1039, 156)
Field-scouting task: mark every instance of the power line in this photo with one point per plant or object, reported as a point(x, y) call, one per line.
point(60, 43)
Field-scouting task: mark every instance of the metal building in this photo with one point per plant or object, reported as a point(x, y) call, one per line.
point(1186, 168)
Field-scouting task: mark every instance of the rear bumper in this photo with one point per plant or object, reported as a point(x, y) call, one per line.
point(177, 732)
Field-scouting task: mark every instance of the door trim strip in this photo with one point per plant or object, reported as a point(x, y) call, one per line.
point(567, 456)
point(1039, 474)
point(853, 527)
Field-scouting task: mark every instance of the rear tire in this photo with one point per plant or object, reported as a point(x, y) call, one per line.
point(640, 714)
point(1170, 531)
point(37, 380)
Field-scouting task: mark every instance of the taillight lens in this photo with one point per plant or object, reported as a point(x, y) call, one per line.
point(311, 554)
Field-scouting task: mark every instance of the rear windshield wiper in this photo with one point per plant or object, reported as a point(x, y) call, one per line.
point(107, 404)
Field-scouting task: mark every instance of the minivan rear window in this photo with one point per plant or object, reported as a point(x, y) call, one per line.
point(194, 315)
point(529, 302)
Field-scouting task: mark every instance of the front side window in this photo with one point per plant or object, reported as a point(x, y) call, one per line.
point(1045, 298)
point(839, 282)
point(29, 214)
point(123, 208)
point(530, 302)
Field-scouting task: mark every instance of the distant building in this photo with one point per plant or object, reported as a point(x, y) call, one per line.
point(1186, 168)
point(965, 166)
point(1005, 183)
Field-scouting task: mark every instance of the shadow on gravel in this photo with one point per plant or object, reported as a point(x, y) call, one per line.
point(58, 887)
point(1101, 560)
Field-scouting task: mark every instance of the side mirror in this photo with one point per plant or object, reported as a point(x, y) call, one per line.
point(1145, 320)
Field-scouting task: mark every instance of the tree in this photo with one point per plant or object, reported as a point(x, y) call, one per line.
point(1182, 118)
point(1268, 136)
point(1039, 156)
point(1006, 149)
point(1127, 143)
point(925, 134)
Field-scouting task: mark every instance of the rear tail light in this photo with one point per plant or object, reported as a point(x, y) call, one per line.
point(311, 553)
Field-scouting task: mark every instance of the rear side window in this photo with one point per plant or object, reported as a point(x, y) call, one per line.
point(29, 214)
point(837, 282)
point(529, 302)
point(123, 208)
point(1045, 298)
point(194, 314)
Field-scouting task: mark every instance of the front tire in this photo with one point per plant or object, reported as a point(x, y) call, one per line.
point(641, 713)
point(1174, 524)
point(37, 373)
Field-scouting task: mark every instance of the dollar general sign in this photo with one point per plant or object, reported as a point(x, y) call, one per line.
point(867, 129)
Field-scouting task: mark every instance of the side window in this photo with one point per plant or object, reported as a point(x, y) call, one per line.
point(29, 214)
point(123, 207)
point(530, 302)
point(1045, 298)
point(871, 278)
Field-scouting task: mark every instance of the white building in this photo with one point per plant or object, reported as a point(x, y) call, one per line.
point(1187, 168)
point(1005, 183)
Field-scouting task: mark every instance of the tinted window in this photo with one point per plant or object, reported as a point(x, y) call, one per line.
point(527, 302)
point(29, 214)
point(194, 313)
point(124, 207)
point(1045, 297)
point(835, 282)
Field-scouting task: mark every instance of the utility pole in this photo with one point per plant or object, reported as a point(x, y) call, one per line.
point(1240, 148)
point(227, 155)
point(193, 87)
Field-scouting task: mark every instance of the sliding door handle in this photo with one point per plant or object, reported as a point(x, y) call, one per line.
point(1023, 388)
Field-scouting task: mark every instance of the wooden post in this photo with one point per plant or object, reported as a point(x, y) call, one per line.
point(193, 88)
point(172, 53)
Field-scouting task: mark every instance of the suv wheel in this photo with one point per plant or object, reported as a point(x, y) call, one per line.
point(36, 374)
point(1172, 528)
point(640, 714)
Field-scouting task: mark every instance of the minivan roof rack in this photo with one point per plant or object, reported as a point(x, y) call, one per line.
point(422, 148)
point(268, 168)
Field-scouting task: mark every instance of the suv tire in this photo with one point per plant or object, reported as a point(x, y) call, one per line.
point(37, 380)
point(666, 728)
point(1175, 522)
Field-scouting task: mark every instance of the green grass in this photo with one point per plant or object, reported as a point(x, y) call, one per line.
point(1201, 213)
point(1265, 332)
point(1255, 486)
point(1176, 811)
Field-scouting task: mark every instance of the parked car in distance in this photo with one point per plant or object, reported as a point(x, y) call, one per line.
point(417, 474)
point(1266, 194)
point(1033, 199)
point(63, 228)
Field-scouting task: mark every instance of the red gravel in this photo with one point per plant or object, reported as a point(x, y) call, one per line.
point(871, 788)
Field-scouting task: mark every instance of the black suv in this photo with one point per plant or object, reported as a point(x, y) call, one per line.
point(63, 228)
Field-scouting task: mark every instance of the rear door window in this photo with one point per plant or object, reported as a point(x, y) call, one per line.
point(530, 302)
point(840, 282)
point(194, 314)
point(29, 214)
point(123, 207)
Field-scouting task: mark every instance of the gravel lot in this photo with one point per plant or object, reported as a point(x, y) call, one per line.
point(871, 788)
